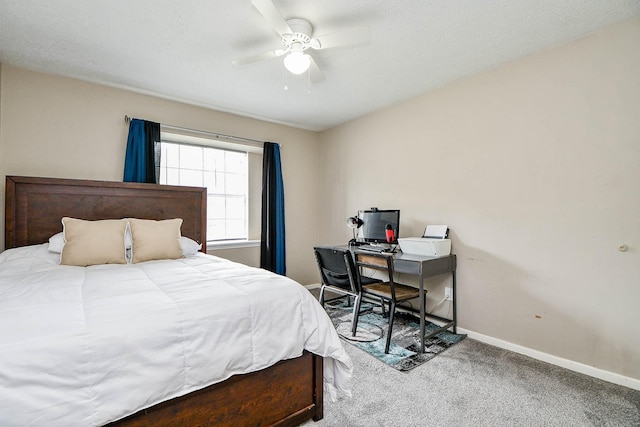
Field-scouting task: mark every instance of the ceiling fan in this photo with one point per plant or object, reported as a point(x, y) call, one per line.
point(297, 38)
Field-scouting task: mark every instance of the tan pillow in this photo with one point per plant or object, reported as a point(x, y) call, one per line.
point(93, 242)
point(155, 239)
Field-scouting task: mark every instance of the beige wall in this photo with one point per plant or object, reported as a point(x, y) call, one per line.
point(60, 127)
point(535, 166)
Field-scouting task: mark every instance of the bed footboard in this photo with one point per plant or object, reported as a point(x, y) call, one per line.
point(285, 394)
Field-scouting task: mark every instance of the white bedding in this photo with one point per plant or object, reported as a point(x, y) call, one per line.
point(82, 346)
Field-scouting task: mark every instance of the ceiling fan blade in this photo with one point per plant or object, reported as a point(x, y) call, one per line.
point(273, 16)
point(258, 57)
point(352, 37)
point(316, 74)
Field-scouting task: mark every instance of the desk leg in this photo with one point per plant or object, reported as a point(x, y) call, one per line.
point(455, 298)
point(422, 314)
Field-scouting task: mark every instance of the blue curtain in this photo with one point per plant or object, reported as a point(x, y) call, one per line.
point(142, 159)
point(272, 247)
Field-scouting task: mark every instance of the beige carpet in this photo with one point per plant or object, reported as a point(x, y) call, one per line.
point(475, 384)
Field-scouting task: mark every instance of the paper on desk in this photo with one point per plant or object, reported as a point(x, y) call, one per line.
point(436, 231)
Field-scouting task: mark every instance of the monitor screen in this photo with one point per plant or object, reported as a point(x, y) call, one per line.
point(375, 223)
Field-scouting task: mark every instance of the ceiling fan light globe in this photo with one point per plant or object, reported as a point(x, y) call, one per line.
point(297, 62)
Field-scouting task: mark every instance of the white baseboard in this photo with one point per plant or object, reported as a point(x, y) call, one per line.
point(312, 286)
point(555, 360)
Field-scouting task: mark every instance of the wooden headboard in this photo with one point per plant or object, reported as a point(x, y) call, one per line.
point(34, 207)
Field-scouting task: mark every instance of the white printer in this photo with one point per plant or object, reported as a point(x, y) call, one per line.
point(432, 243)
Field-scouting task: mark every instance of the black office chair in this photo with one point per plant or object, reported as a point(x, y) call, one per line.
point(338, 274)
point(384, 289)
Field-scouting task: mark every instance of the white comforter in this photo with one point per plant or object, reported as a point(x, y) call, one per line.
point(83, 346)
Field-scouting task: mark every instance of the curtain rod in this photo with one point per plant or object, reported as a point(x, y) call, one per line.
point(215, 135)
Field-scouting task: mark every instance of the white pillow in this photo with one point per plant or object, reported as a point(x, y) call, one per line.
point(56, 242)
point(128, 241)
point(189, 247)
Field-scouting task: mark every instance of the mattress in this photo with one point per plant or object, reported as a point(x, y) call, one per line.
point(84, 346)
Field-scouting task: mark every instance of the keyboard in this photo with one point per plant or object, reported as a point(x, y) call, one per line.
point(374, 248)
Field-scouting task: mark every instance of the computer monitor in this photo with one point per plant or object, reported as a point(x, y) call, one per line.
point(375, 223)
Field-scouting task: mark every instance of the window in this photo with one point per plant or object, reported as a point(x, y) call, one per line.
point(223, 172)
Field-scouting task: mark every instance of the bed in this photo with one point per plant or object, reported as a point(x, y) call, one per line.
point(111, 381)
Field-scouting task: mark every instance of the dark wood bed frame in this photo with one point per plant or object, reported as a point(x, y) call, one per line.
point(285, 394)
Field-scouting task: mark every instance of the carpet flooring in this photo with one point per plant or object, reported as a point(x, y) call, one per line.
point(474, 384)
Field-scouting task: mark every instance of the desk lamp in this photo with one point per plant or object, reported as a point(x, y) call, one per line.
point(354, 223)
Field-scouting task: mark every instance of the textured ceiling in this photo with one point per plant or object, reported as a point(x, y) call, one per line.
point(183, 49)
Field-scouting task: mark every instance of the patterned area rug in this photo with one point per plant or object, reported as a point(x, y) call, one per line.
point(405, 340)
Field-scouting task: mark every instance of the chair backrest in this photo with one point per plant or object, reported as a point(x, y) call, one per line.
point(337, 268)
point(382, 263)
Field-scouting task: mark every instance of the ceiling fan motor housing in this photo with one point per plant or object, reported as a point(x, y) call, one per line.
point(302, 31)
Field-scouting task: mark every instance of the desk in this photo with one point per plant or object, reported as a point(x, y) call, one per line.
point(422, 267)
